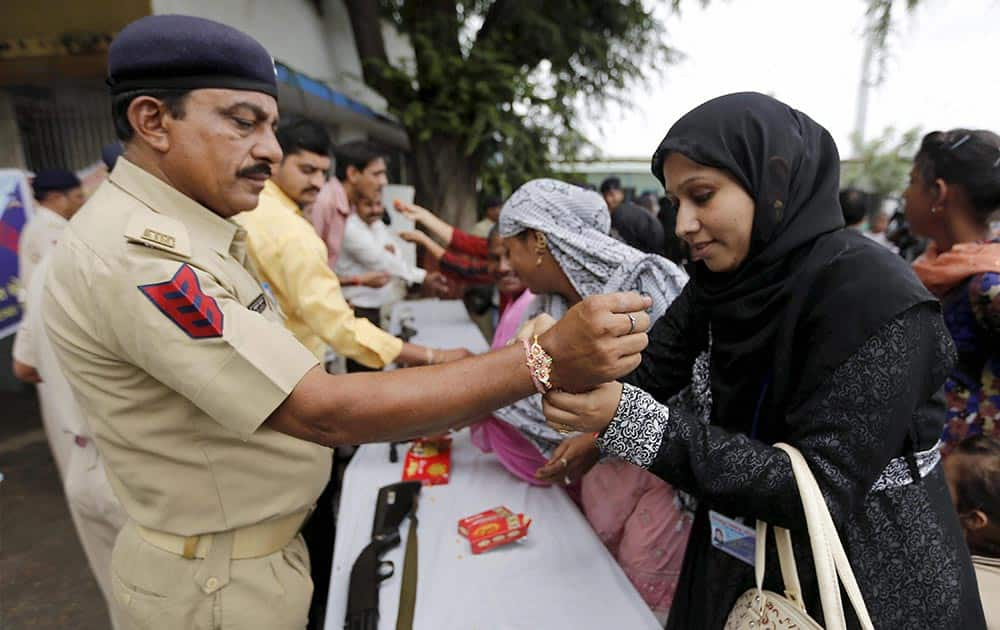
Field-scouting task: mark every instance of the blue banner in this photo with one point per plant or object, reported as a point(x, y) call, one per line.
point(15, 208)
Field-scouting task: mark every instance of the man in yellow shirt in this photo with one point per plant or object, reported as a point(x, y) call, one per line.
point(291, 262)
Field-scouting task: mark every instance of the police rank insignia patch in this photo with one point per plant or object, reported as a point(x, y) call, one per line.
point(185, 304)
point(259, 304)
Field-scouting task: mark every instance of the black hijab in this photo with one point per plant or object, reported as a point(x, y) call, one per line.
point(809, 293)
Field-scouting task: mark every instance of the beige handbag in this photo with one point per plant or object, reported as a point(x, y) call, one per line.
point(758, 609)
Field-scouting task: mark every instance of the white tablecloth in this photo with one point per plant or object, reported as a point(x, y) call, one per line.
point(439, 324)
point(559, 576)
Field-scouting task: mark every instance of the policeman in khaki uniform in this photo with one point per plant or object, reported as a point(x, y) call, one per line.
point(213, 421)
point(58, 195)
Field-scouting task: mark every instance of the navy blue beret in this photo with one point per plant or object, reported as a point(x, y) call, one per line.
point(186, 52)
point(54, 179)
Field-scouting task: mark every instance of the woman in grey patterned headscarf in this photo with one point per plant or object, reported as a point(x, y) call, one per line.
point(556, 239)
point(554, 229)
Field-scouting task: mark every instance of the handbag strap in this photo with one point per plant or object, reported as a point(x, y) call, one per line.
point(786, 560)
point(789, 570)
point(828, 552)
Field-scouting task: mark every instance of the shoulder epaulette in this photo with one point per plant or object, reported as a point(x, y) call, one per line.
point(159, 232)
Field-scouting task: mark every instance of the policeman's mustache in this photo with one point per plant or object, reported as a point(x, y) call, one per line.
point(261, 168)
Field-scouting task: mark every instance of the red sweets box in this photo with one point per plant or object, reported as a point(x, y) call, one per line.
point(428, 461)
point(493, 528)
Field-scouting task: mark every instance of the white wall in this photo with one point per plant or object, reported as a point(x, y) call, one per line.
point(340, 38)
point(290, 30)
point(295, 34)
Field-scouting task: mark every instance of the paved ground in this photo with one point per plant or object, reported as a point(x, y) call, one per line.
point(45, 582)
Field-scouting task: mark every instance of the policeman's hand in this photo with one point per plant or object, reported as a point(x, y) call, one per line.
point(412, 211)
point(453, 354)
point(532, 327)
point(571, 460)
point(597, 341)
point(374, 279)
point(26, 373)
point(589, 412)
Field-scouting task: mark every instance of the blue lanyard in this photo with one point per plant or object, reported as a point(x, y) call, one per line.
point(760, 403)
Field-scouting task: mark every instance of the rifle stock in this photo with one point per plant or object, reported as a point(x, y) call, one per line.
point(367, 575)
point(395, 503)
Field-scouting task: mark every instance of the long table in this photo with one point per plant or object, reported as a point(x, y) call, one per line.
point(559, 576)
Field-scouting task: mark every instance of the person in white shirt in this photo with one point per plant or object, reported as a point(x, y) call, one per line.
point(370, 246)
point(59, 195)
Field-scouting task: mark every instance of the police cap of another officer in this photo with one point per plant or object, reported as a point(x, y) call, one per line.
point(54, 180)
point(185, 52)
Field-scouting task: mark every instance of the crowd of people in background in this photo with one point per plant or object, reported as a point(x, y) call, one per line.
point(781, 310)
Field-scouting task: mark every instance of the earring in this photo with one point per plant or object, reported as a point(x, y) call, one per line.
point(934, 209)
point(541, 246)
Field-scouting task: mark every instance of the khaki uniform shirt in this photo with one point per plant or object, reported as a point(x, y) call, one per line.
point(291, 259)
point(177, 359)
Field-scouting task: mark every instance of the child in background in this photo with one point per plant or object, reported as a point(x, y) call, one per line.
point(973, 473)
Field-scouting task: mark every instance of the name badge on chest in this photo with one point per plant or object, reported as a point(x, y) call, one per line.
point(732, 537)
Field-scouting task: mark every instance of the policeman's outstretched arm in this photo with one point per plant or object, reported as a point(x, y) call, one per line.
point(591, 345)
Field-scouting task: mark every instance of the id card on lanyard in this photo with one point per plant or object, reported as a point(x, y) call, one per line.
point(732, 537)
point(729, 535)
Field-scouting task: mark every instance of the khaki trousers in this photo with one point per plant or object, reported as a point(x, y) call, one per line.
point(157, 590)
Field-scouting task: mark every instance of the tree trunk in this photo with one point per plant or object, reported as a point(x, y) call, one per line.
point(445, 178)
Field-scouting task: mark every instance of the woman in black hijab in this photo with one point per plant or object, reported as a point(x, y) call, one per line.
point(801, 332)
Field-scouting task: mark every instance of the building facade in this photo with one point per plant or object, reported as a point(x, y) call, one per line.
point(55, 109)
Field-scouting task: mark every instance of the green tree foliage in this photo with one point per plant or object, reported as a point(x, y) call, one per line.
point(883, 165)
point(882, 16)
point(495, 88)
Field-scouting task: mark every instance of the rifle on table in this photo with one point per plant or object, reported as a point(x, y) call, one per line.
point(395, 503)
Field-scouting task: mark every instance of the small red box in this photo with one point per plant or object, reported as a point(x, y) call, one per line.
point(493, 528)
point(428, 461)
point(487, 515)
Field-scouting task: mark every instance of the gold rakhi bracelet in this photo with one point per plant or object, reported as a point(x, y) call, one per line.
point(539, 365)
